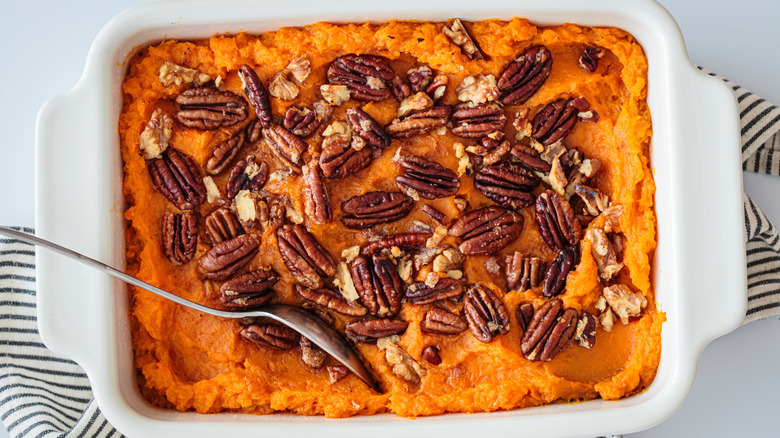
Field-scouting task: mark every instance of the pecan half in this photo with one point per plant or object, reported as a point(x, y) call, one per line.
point(316, 203)
point(419, 78)
point(400, 89)
point(523, 76)
point(555, 278)
point(253, 131)
point(250, 290)
point(287, 146)
point(525, 313)
point(225, 258)
point(311, 355)
point(271, 335)
point(487, 230)
point(303, 122)
point(339, 159)
point(442, 322)
point(507, 185)
point(209, 108)
point(374, 208)
point(367, 128)
point(445, 289)
point(224, 153)
point(378, 284)
point(402, 240)
point(420, 122)
point(306, 259)
point(557, 224)
point(247, 174)
point(459, 36)
point(370, 330)
point(586, 331)
point(177, 177)
point(530, 158)
point(523, 272)
point(486, 313)
point(589, 60)
point(554, 121)
point(547, 333)
point(366, 76)
point(332, 300)
point(222, 225)
point(431, 354)
point(426, 179)
point(477, 121)
point(179, 236)
point(257, 94)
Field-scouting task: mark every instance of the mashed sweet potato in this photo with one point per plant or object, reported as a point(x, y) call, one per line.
point(190, 361)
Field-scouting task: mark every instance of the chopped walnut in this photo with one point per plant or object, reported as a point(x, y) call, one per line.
point(492, 266)
point(415, 102)
point(171, 73)
point(404, 267)
point(299, 68)
point(403, 365)
point(212, 191)
point(335, 94)
point(455, 274)
point(438, 234)
point(293, 215)
point(350, 253)
point(343, 280)
point(438, 87)
point(246, 207)
point(478, 90)
point(279, 175)
point(558, 177)
point(604, 253)
point(282, 87)
point(156, 135)
point(595, 201)
point(607, 320)
point(461, 204)
point(449, 259)
point(612, 216)
point(459, 36)
point(549, 153)
point(523, 124)
point(464, 163)
point(337, 128)
point(624, 302)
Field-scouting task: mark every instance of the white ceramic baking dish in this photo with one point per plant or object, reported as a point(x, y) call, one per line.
point(699, 267)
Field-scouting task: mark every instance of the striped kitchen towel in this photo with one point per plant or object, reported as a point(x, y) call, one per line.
point(42, 395)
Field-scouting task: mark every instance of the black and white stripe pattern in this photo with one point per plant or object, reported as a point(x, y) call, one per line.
point(42, 395)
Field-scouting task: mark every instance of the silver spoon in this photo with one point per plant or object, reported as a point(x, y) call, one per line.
point(299, 320)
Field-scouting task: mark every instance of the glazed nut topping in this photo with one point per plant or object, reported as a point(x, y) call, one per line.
point(257, 94)
point(250, 290)
point(604, 253)
point(477, 121)
point(366, 76)
point(506, 184)
point(555, 219)
point(311, 355)
point(585, 335)
point(549, 332)
point(177, 177)
point(625, 303)
point(247, 174)
point(431, 354)
point(555, 278)
point(222, 225)
point(378, 284)
point(306, 259)
point(271, 336)
point(365, 127)
point(443, 289)
point(331, 300)
point(486, 313)
point(589, 60)
point(225, 153)
point(209, 108)
point(487, 230)
point(523, 272)
point(174, 74)
point(478, 89)
point(404, 241)
point(525, 75)
point(459, 36)
point(403, 365)
point(416, 102)
point(370, 330)
point(225, 258)
point(335, 94)
point(374, 208)
point(156, 135)
point(425, 179)
point(440, 321)
point(179, 236)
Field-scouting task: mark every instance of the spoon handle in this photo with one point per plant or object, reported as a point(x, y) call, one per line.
point(35, 240)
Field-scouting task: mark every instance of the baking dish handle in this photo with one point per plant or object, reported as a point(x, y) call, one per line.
point(67, 212)
point(716, 299)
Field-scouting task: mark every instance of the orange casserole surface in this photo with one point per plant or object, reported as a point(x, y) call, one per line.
point(190, 361)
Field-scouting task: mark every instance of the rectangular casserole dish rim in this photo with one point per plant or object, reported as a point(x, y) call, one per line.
point(95, 89)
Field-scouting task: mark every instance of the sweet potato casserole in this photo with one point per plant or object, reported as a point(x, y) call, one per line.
point(470, 204)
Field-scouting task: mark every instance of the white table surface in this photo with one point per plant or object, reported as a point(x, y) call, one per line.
point(43, 46)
